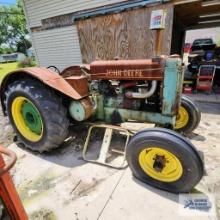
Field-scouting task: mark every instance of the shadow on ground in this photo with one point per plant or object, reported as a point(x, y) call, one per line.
point(196, 137)
point(69, 154)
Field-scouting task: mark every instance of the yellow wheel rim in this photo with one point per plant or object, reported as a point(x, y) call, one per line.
point(182, 118)
point(30, 127)
point(160, 164)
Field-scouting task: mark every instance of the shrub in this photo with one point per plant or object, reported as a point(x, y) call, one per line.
point(27, 62)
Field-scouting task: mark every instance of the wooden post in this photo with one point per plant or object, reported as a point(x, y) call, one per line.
point(157, 23)
point(159, 42)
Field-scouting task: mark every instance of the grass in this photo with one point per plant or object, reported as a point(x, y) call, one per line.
point(6, 68)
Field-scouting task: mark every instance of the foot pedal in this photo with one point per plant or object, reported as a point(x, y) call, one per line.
point(105, 150)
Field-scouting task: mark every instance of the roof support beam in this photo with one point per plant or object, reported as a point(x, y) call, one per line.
point(180, 2)
point(209, 15)
point(200, 26)
point(210, 3)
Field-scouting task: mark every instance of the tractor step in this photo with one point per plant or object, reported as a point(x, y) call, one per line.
point(106, 150)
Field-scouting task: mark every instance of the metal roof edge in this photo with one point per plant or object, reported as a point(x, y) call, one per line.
point(115, 8)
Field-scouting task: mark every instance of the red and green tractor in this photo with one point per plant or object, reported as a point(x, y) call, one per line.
point(41, 104)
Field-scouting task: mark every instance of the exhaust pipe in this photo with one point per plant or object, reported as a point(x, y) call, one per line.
point(144, 95)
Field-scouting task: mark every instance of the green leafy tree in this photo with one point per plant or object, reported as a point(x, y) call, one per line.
point(6, 50)
point(13, 26)
point(23, 45)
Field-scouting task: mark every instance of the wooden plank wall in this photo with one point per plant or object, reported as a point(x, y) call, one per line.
point(125, 35)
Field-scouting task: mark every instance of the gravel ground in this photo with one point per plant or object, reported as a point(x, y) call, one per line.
point(6, 131)
point(205, 138)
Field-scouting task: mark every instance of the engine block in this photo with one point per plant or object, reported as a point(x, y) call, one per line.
point(142, 90)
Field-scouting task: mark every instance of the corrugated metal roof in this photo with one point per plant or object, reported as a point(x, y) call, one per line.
point(119, 7)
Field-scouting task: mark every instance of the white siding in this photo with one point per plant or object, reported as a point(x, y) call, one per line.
point(36, 10)
point(58, 47)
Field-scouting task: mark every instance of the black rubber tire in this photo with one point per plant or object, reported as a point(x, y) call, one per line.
point(194, 115)
point(196, 108)
point(171, 141)
point(51, 109)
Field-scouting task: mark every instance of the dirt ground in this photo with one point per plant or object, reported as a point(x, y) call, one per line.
point(6, 132)
point(60, 185)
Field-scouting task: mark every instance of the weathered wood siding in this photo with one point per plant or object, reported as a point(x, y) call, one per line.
point(126, 35)
point(58, 47)
point(36, 10)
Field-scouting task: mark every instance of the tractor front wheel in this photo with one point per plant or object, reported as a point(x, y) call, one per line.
point(164, 159)
point(188, 117)
point(37, 115)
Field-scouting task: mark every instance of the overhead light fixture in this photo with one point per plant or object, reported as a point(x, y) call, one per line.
point(207, 22)
point(209, 15)
point(210, 3)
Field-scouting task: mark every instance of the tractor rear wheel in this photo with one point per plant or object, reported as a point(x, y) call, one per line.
point(164, 159)
point(37, 115)
point(188, 117)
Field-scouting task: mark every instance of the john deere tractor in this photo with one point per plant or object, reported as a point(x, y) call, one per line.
point(41, 104)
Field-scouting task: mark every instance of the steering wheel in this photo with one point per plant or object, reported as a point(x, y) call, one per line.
point(54, 69)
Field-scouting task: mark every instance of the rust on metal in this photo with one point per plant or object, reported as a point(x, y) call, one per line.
point(128, 69)
point(75, 70)
point(71, 71)
point(79, 83)
point(87, 104)
point(49, 78)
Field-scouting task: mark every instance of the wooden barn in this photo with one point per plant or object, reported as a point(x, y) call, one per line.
point(70, 32)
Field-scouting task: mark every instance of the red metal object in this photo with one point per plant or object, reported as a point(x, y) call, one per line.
point(205, 77)
point(8, 193)
point(204, 85)
point(187, 90)
point(75, 70)
point(129, 84)
point(51, 79)
point(187, 48)
point(148, 69)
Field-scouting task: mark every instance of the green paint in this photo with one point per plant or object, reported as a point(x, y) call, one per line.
point(32, 117)
point(140, 116)
point(77, 110)
point(172, 90)
point(99, 111)
point(172, 86)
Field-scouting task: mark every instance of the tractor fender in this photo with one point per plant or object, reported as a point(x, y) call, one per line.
point(47, 77)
